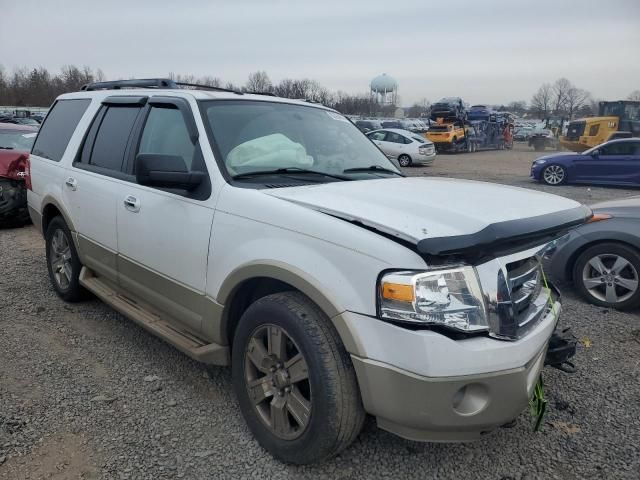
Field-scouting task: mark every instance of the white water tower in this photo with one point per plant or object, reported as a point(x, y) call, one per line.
point(384, 89)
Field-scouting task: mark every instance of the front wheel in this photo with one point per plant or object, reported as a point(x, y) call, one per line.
point(404, 160)
point(608, 275)
point(294, 380)
point(554, 175)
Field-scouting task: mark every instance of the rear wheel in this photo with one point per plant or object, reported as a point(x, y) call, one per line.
point(554, 175)
point(608, 274)
point(63, 262)
point(404, 160)
point(294, 380)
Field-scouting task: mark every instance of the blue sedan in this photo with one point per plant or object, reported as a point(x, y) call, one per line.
point(616, 162)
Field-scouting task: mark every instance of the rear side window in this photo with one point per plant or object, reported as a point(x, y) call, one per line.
point(57, 129)
point(112, 137)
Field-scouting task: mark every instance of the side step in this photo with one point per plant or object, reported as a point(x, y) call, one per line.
point(196, 348)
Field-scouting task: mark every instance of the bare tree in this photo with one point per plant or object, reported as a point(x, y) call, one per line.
point(518, 107)
point(541, 100)
point(634, 96)
point(575, 99)
point(258, 82)
point(561, 89)
point(38, 87)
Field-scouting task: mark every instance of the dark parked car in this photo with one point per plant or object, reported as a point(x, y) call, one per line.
point(449, 108)
point(15, 145)
point(479, 112)
point(602, 257)
point(368, 125)
point(393, 124)
point(616, 162)
point(541, 139)
point(522, 134)
point(19, 121)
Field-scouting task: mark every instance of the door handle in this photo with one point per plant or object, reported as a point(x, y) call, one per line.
point(132, 204)
point(72, 183)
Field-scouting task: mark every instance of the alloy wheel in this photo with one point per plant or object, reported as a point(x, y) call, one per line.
point(277, 381)
point(554, 174)
point(610, 278)
point(60, 258)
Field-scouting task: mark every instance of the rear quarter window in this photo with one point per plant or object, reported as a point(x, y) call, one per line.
point(58, 127)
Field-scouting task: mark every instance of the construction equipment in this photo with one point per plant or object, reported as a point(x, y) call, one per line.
point(618, 119)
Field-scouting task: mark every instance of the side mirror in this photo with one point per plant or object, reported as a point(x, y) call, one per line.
point(595, 153)
point(166, 171)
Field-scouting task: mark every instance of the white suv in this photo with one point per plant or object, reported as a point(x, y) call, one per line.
point(272, 235)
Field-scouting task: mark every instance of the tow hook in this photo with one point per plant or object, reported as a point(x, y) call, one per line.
point(562, 346)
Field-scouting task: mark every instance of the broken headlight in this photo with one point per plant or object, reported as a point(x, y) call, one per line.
point(450, 297)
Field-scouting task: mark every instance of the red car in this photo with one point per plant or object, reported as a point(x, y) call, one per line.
point(15, 145)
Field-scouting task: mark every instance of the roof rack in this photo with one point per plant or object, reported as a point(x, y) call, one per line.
point(134, 83)
point(149, 83)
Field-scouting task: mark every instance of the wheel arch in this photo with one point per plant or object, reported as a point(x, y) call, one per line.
point(247, 284)
point(624, 240)
point(52, 208)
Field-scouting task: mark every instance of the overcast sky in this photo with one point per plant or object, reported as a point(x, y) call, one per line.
point(485, 51)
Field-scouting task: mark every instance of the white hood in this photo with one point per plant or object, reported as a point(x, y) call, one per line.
point(416, 208)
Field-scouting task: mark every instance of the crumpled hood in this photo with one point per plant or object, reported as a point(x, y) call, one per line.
point(416, 208)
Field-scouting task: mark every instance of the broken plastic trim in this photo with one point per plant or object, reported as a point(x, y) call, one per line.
point(562, 347)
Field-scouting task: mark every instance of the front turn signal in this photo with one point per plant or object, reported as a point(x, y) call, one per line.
point(397, 291)
point(598, 217)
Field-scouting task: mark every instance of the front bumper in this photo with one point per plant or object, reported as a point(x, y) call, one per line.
point(13, 197)
point(424, 386)
point(450, 409)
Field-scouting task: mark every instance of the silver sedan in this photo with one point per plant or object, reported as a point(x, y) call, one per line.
point(407, 147)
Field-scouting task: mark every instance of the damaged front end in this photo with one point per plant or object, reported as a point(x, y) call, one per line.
point(14, 174)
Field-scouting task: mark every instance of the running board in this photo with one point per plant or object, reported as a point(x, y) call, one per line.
point(196, 348)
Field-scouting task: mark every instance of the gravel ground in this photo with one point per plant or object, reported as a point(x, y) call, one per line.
point(84, 393)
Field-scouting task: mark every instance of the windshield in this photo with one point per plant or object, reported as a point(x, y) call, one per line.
point(17, 140)
point(625, 110)
point(257, 136)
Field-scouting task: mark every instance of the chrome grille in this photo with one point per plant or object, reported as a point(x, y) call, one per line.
point(514, 293)
point(525, 282)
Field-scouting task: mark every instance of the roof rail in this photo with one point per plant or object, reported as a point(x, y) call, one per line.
point(208, 87)
point(268, 94)
point(134, 83)
point(149, 83)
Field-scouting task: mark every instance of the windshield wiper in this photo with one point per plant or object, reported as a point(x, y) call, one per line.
point(372, 168)
point(279, 171)
point(6, 148)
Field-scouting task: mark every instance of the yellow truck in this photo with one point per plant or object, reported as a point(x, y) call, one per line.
point(618, 119)
point(447, 136)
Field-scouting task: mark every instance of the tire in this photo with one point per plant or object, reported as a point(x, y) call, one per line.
point(608, 275)
point(334, 412)
point(554, 175)
point(63, 262)
point(469, 147)
point(404, 160)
